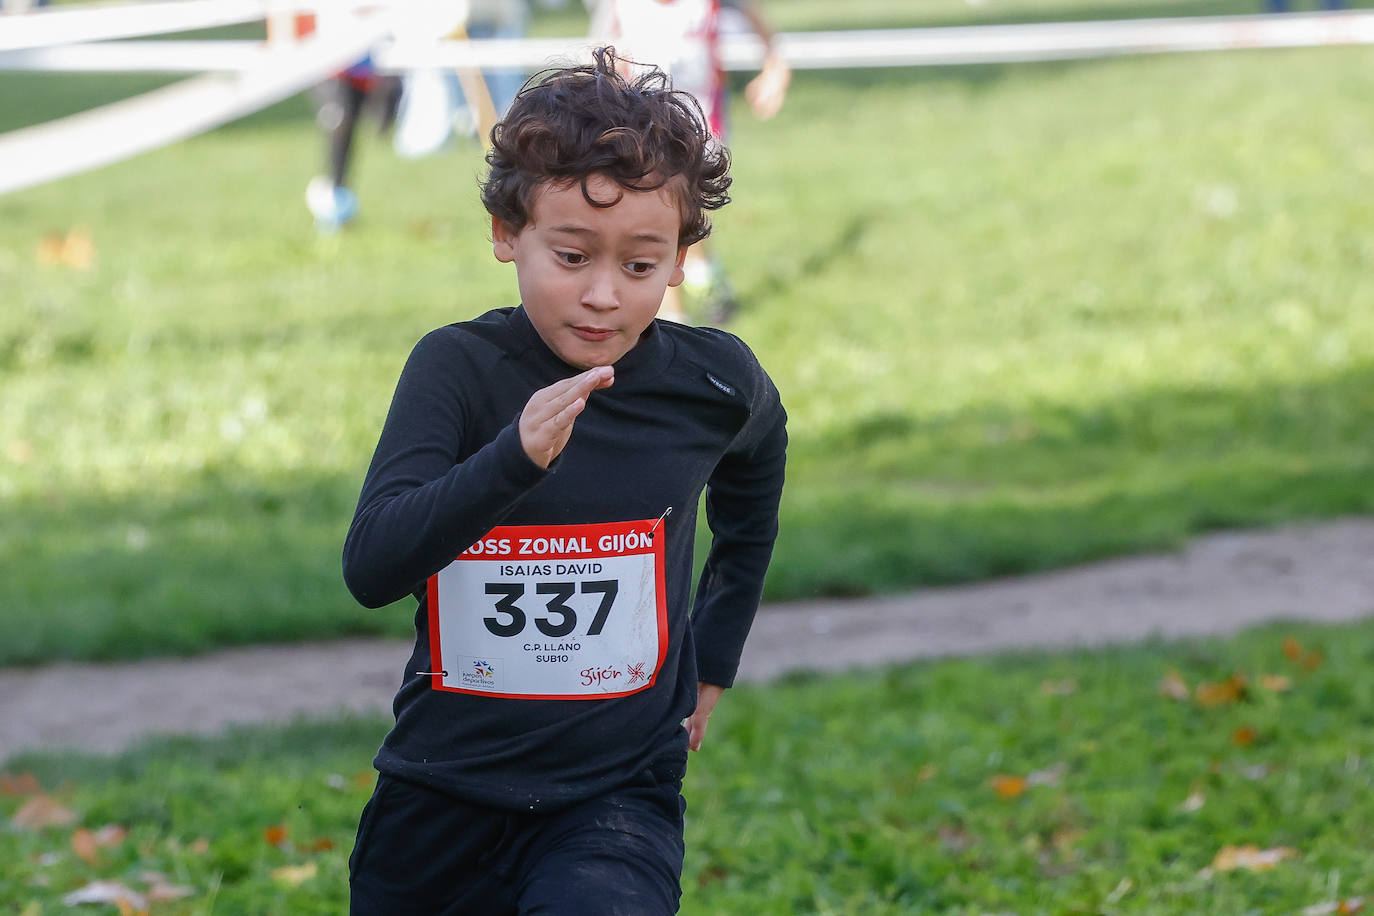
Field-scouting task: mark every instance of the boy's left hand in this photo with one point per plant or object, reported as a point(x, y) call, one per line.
point(707, 697)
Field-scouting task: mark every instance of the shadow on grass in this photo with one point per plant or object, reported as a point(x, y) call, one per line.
point(889, 501)
point(824, 255)
point(214, 560)
point(884, 502)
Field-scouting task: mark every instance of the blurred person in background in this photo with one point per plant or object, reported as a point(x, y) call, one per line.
point(438, 104)
point(340, 103)
point(500, 19)
point(683, 38)
point(430, 105)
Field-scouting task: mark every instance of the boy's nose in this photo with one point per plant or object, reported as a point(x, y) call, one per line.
point(600, 293)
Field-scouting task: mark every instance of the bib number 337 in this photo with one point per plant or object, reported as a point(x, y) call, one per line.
point(552, 612)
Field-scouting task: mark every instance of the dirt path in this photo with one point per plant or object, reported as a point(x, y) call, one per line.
point(1221, 583)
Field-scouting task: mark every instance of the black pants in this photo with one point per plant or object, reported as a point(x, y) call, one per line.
point(423, 853)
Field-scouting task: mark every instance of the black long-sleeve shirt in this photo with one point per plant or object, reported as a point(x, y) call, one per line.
point(691, 408)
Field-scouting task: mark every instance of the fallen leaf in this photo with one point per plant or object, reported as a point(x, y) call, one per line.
point(200, 846)
point(74, 249)
point(1348, 905)
point(84, 845)
point(1193, 802)
point(110, 835)
point(1007, 786)
point(87, 843)
point(710, 875)
point(1292, 649)
point(276, 834)
point(1049, 776)
point(1251, 858)
point(1173, 686)
point(13, 784)
point(78, 250)
point(927, 773)
point(106, 892)
point(1313, 660)
point(1063, 688)
point(320, 844)
point(295, 875)
point(43, 811)
point(1243, 736)
point(1276, 682)
point(49, 251)
point(160, 889)
point(955, 839)
point(1227, 691)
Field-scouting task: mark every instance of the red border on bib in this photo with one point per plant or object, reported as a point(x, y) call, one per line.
point(505, 542)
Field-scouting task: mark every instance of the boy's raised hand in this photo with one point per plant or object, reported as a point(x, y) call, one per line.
point(547, 420)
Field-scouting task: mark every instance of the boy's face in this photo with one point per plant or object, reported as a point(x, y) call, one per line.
point(592, 278)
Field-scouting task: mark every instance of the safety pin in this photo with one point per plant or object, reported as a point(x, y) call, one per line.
point(666, 512)
point(434, 673)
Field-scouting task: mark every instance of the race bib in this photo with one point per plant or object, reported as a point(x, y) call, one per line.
point(552, 612)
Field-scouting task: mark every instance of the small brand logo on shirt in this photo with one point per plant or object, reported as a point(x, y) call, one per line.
point(719, 384)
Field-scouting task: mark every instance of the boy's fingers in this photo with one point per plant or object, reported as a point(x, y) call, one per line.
point(592, 379)
point(696, 730)
point(564, 417)
point(548, 403)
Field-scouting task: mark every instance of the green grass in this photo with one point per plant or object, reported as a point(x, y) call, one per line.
point(1021, 317)
point(866, 794)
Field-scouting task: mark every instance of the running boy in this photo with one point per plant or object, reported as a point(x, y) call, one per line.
point(535, 488)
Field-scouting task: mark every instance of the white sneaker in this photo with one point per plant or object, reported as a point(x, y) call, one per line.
point(332, 206)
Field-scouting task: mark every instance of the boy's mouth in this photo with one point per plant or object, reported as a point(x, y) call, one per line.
point(587, 332)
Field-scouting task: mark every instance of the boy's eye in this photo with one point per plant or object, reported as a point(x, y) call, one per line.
point(571, 258)
point(640, 268)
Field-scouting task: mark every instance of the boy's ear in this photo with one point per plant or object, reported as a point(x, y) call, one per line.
point(502, 240)
point(677, 276)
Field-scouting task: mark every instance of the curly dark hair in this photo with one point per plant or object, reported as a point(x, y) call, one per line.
point(569, 124)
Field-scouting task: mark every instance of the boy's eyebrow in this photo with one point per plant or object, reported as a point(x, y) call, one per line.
point(642, 236)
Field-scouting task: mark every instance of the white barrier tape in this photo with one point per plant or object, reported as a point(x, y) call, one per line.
point(145, 57)
point(99, 23)
point(230, 55)
point(803, 50)
point(1058, 41)
point(941, 46)
point(98, 137)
